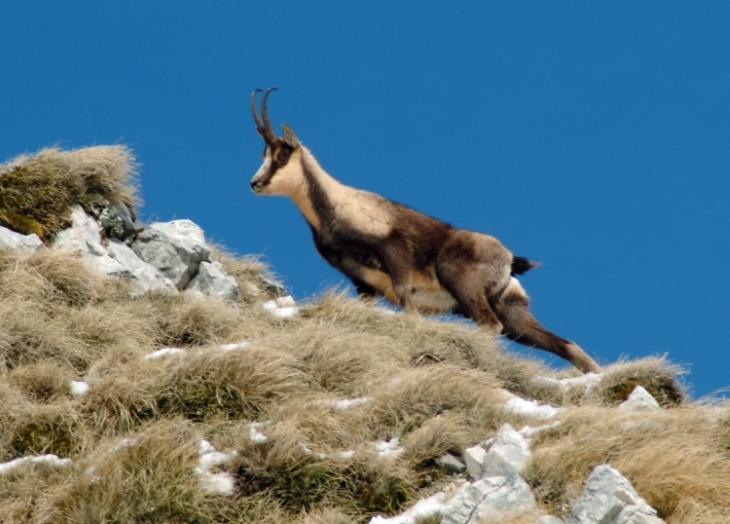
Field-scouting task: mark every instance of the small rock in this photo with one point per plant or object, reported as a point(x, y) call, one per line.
point(450, 464)
point(506, 456)
point(549, 519)
point(82, 237)
point(488, 497)
point(508, 453)
point(474, 458)
point(212, 280)
point(143, 275)
point(175, 248)
point(17, 241)
point(115, 218)
point(640, 399)
point(609, 498)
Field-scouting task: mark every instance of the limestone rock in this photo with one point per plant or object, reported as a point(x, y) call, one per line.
point(451, 464)
point(18, 241)
point(83, 236)
point(113, 259)
point(212, 280)
point(549, 519)
point(508, 453)
point(609, 498)
point(474, 458)
point(143, 275)
point(115, 218)
point(506, 456)
point(489, 497)
point(175, 248)
point(640, 399)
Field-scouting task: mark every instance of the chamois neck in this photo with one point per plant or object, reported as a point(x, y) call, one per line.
point(318, 191)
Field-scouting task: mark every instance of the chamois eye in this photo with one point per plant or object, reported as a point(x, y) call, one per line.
point(282, 158)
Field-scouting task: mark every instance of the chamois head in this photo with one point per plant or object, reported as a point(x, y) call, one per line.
point(279, 174)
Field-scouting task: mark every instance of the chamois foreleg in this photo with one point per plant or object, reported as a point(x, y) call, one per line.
point(398, 261)
point(513, 310)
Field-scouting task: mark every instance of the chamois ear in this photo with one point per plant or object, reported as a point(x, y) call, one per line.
point(289, 136)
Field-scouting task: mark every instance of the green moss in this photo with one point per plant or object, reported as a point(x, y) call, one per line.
point(47, 432)
point(663, 387)
point(33, 202)
point(203, 400)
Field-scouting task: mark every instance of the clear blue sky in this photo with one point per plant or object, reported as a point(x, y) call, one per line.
point(591, 136)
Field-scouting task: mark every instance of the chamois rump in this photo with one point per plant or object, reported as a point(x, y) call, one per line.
point(411, 259)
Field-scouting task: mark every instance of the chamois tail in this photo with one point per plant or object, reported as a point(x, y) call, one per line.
point(521, 265)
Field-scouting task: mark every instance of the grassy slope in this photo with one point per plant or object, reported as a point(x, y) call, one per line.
point(438, 386)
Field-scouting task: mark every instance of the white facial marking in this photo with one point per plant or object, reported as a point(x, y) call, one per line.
point(263, 169)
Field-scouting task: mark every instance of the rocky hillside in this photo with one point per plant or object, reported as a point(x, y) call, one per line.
point(146, 376)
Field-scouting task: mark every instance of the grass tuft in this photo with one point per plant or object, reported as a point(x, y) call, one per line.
point(38, 191)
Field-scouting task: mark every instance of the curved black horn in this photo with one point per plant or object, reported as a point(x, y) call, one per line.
point(259, 124)
point(270, 133)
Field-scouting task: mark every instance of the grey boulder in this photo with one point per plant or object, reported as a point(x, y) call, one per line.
point(488, 498)
point(640, 399)
point(609, 498)
point(175, 248)
point(212, 280)
point(506, 456)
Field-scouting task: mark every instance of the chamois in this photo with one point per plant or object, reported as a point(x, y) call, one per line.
point(411, 259)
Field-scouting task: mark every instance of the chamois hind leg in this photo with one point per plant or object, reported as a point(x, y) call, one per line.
point(513, 310)
point(469, 294)
point(473, 267)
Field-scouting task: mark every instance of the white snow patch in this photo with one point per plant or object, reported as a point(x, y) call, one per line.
point(282, 307)
point(422, 508)
point(287, 301)
point(124, 443)
point(163, 352)
point(217, 483)
point(255, 435)
point(342, 404)
point(210, 460)
point(53, 460)
point(220, 483)
point(344, 455)
point(235, 345)
point(78, 388)
point(205, 447)
point(520, 406)
point(389, 448)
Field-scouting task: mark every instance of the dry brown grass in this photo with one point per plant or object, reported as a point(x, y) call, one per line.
point(677, 459)
point(436, 385)
point(37, 191)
